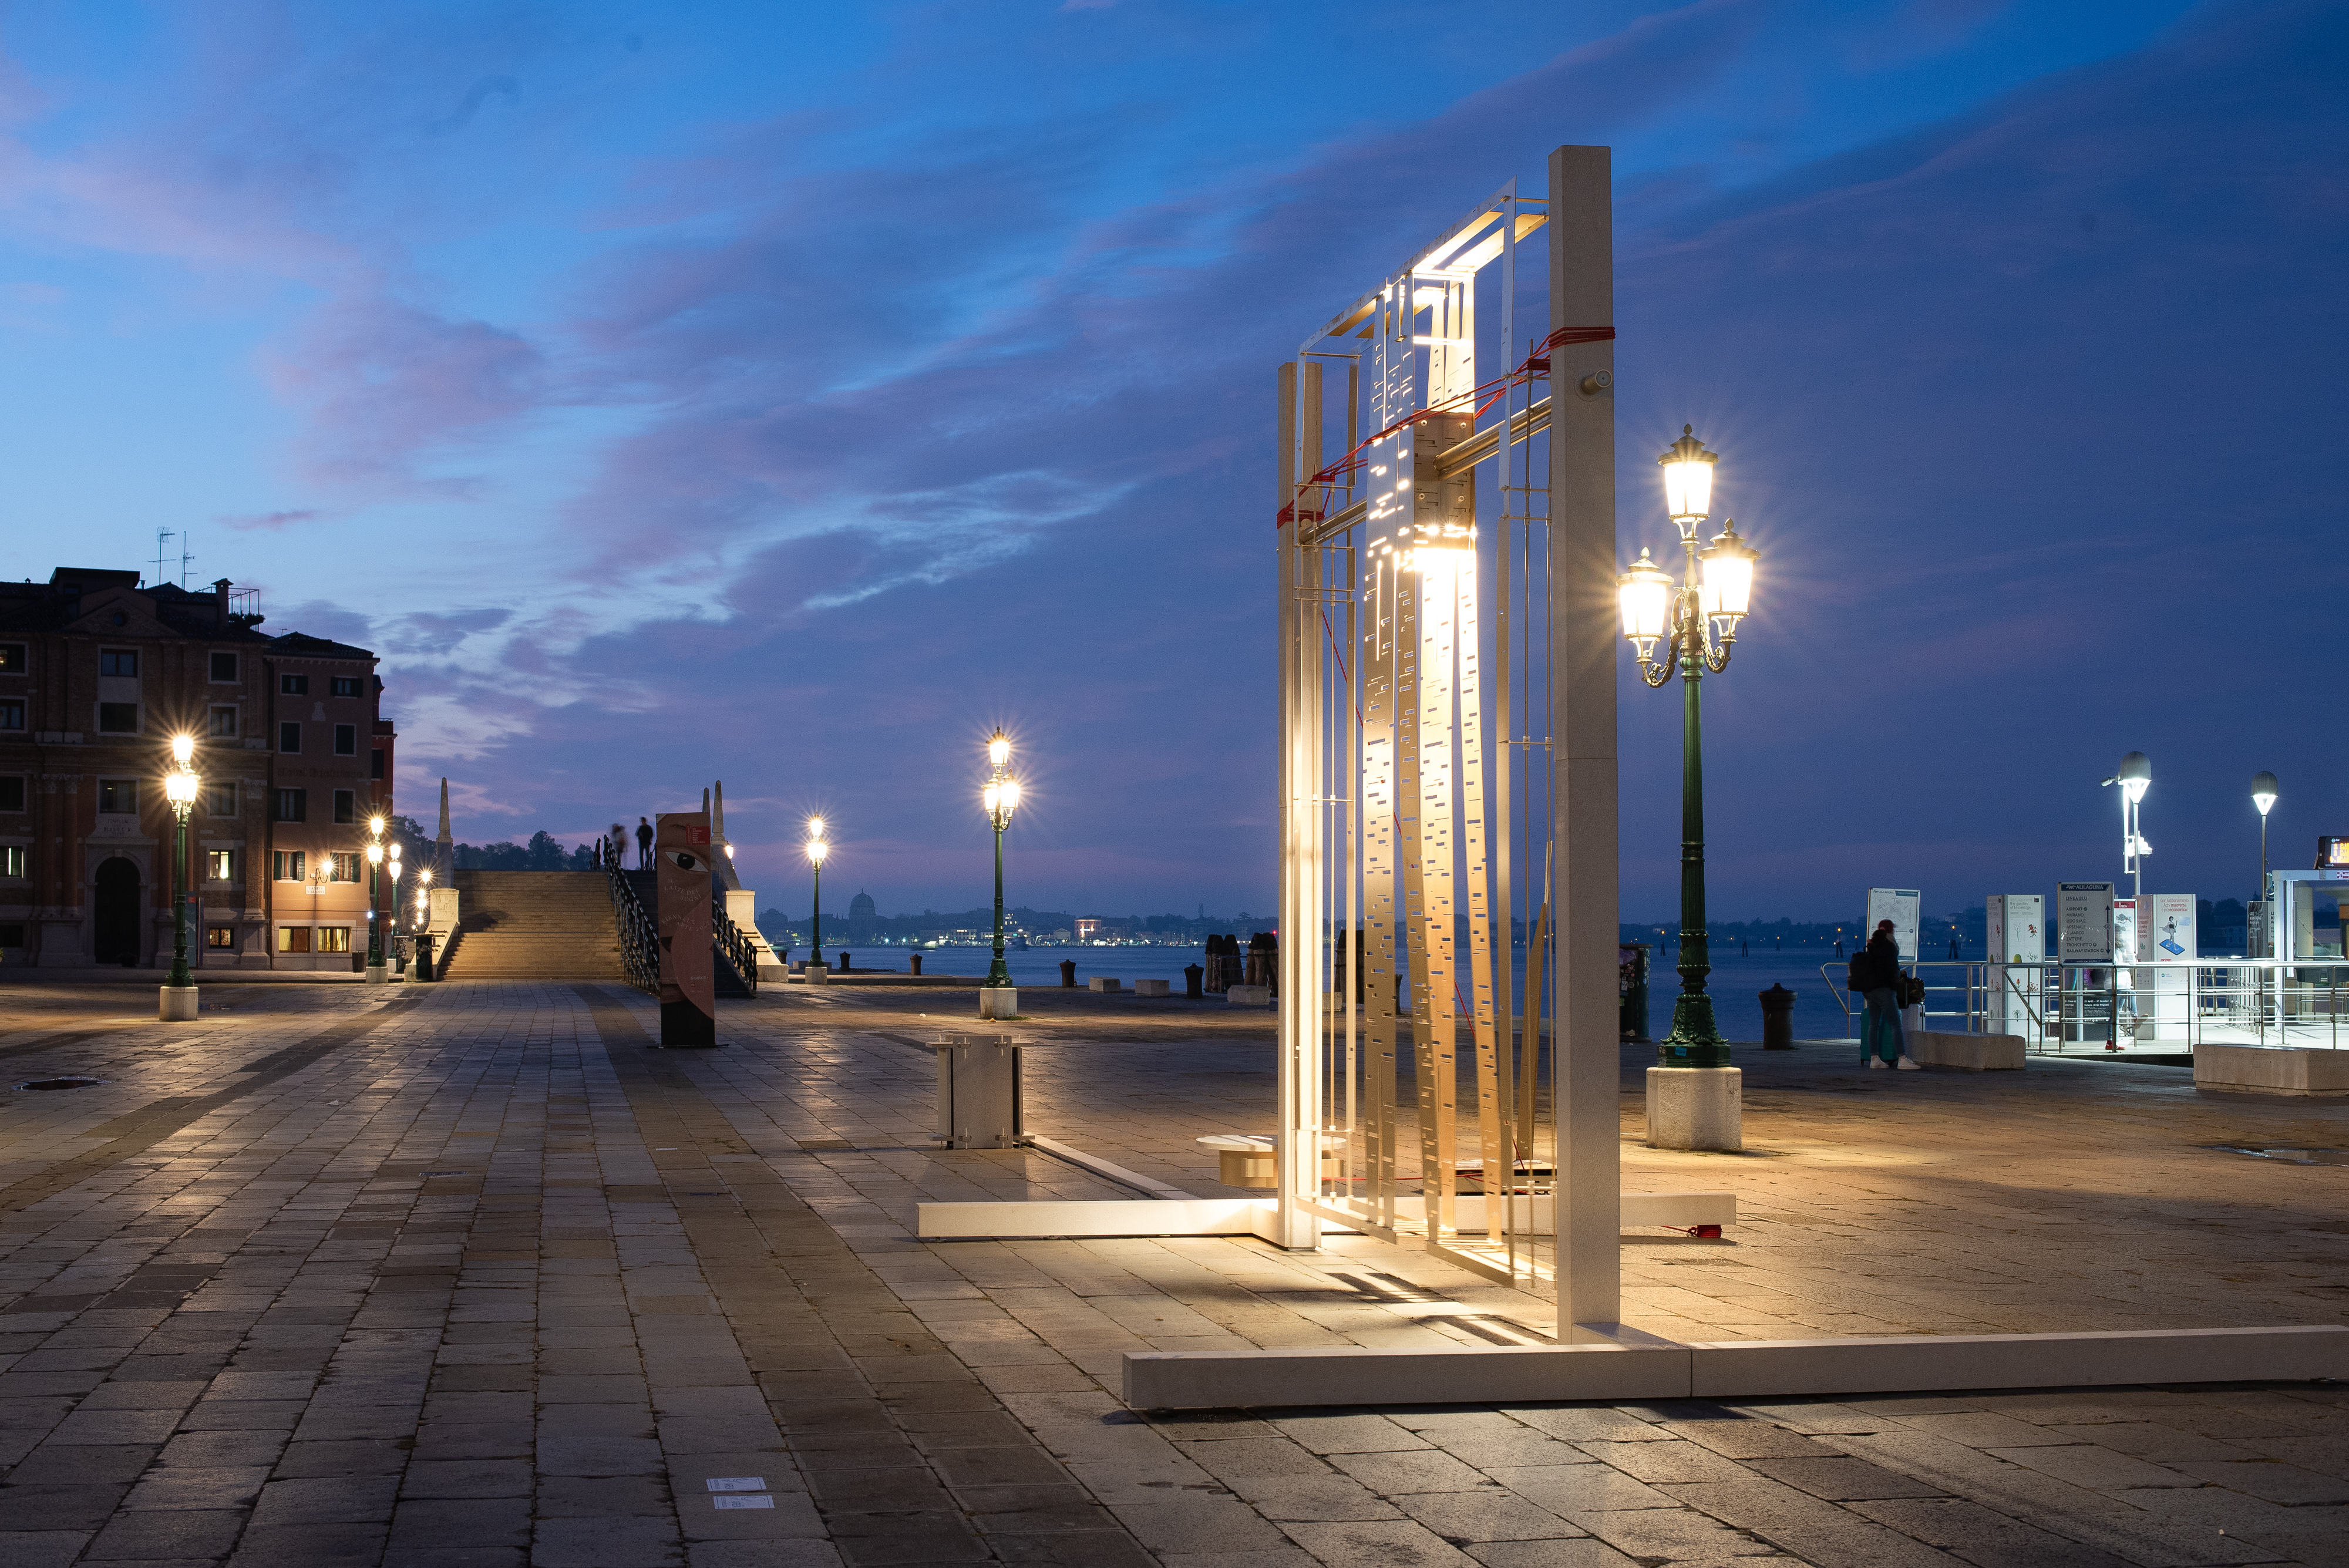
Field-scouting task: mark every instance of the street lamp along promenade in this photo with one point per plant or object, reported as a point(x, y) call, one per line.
point(180, 784)
point(375, 966)
point(1696, 621)
point(2135, 775)
point(816, 851)
point(2263, 795)
point(1000, 799)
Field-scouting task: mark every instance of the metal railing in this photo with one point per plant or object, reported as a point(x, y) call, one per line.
point(739, 953)
point(639, 936)
point(2180, 1004)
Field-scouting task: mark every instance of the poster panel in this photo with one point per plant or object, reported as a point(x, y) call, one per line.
point(2165, 938)
point(1899, 906)
point(2017, 935)
point(2084, 922)
point(688, 982)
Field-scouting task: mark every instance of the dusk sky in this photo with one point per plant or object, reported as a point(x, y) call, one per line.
point(788, 394)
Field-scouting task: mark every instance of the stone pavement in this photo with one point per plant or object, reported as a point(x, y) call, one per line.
point(343, 1275)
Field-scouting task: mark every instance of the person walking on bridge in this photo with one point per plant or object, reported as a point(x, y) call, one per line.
point(644, 844)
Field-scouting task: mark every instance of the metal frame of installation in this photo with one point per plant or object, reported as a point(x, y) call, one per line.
point(1448, 666)
point(1398, 821)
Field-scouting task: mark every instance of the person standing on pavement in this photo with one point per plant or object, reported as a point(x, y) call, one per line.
point(1883, 1045)
point(644, 844)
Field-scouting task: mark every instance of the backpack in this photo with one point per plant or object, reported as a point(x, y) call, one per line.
point(1856, 978)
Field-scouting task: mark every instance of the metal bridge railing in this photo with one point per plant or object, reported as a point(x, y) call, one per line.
point(2182, 1003)
point(734, 946)
point(639, 937)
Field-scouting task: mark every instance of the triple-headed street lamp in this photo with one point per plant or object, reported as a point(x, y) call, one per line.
point(374, 893)
point(816, 850)
point(179, 787)
point(1000, 799)
point(1697, 619)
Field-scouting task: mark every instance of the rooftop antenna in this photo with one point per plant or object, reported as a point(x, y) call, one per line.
point(162, 537)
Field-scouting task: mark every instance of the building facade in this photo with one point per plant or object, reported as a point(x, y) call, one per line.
point(97, 675)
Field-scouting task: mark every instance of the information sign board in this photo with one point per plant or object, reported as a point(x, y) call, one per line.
point(1897, 905)
point(2084, 922)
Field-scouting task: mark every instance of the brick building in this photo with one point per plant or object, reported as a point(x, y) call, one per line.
point(97, 675)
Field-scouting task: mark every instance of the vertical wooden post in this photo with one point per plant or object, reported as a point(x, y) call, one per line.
point(1583, 619)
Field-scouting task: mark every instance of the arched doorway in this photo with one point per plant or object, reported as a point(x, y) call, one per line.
point(117, 912)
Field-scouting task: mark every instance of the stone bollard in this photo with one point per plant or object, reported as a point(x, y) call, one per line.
point(916, 959)
point(1777, 1019)
point(1068, 974)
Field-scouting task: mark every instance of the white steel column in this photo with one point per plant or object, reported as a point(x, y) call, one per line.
point(1583, 616)
point(1296, 1159)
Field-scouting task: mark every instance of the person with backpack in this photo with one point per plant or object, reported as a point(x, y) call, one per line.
point(1876, 973)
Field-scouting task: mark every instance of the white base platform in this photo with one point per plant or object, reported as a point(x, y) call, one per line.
point(998, 1001)
point(1186, 1216)
point(175, 1003)
point(1734, 1369)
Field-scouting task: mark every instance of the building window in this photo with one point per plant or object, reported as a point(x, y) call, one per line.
point(12, 863)
point(347, 809)
point(118, 661)
point(12, 935)
point(224, 722)
point(220, 798)
point(12, 716)
point(345, 686)
point(289, 737)
point(292, 939)
point(118, 718)
point(120, 795)
point(347, 740)
point(12, 793)
point(220, 865)
point(224, 667)
point(294, 805)
point(293, 686)
point(334, 939)
point(347, 867)
point(375, 769)
point(220, 936)
point(11, 659)
point(287, 864)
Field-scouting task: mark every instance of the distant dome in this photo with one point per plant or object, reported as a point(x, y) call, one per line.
point(860, 905)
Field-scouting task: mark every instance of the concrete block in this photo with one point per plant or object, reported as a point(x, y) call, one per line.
point(816, 973)
point(175, 1003)
point(998, 1001)
point(1250, 996)
point(378, 974)
point(1150, 988)
point(2299, 1071)
point(1697, 1107)
point(1102, 983)
point(1968, 1053)
point(1916, 1363)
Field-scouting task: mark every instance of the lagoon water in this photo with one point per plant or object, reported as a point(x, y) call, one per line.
point(1734, 983)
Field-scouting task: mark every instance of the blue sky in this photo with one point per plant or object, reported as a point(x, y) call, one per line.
point(788, 394)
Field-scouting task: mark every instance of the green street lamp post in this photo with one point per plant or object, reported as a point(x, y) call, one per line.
point(1001, 798)
point(1696, 620)
point(816, 850)
point(375, 894)
point(179, 787)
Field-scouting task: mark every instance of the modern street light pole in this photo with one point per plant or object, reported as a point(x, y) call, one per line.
point(179, 787)
point(1001, 798)
point(2263, 795)
point(1697, 619)
point(2135, 775)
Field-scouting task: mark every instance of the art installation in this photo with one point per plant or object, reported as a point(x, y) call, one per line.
point(688, 984)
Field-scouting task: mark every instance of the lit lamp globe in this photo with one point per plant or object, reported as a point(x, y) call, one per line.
point(1728, 592)
point(1687, 481)
point(2136, 776)
point(177, 1002)
point(1645, 594)
point(2263, 791)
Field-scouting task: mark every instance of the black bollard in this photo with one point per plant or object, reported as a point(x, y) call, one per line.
point(843, 961)
point(1777, 1019)
point(1068, 974)
point(1194, 980)
point(916, 958)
